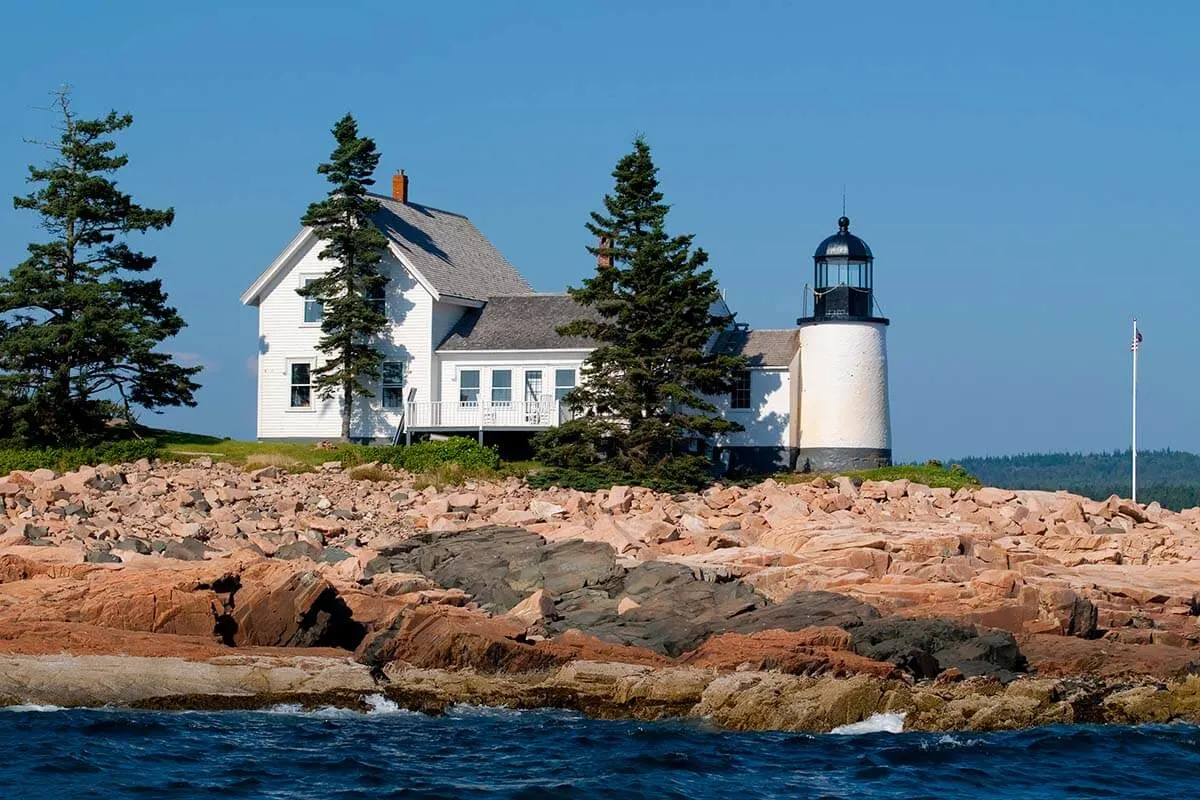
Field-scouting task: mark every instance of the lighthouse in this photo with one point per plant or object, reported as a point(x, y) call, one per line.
point(845, 421)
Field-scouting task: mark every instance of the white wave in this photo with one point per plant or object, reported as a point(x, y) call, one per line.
point(376, 704)
point(947, 740)
point(32, 707)
point(890, 722)
point(468, 711)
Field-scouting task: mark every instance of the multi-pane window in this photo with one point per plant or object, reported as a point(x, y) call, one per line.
point(313, 309)
point(843, 272)
point(301, 385)
point(533, 385)
point(502, 386)
point(468, 386)
point(564, 381)
point(377, 298)
point(739, 395)
point(391, 374)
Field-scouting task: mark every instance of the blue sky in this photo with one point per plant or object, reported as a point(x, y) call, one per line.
point(1025, 172)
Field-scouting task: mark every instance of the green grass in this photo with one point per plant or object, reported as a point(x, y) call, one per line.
point(427, 460)
point(293, 456)
point(933, 475)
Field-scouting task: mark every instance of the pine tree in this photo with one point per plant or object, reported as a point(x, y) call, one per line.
point(350, 321)
point(77, 331)
point(654, 300)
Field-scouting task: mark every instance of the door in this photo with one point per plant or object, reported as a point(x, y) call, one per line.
point(533, 396)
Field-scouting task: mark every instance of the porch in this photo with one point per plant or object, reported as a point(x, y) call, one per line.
point(446, 416)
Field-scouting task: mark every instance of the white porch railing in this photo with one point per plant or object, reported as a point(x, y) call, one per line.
point(452, 414)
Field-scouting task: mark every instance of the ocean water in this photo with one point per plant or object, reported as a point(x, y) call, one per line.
point(48, 753)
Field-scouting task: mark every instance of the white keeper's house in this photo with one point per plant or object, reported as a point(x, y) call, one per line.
point(473, 350)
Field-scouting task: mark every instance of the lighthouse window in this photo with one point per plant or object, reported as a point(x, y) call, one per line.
point(739, 395)
point(842, 273)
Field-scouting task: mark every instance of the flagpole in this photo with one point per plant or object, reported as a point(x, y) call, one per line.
point(1134, 445)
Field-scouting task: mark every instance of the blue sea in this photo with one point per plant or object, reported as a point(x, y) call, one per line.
point(50, 753)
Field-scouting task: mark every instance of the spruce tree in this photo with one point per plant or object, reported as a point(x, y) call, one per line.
point(350, 322)
point(77, 331)
point(645, 382)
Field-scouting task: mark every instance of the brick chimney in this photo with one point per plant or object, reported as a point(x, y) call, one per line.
point(400, 187)
point(604, 258)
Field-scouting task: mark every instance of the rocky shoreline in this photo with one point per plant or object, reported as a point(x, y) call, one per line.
point(773, 607)
point(737, 700)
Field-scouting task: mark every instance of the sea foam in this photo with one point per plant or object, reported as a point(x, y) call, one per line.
point(32, 707)
point(876, 723)
point(376, 704)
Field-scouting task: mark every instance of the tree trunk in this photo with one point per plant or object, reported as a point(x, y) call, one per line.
point(347, 408)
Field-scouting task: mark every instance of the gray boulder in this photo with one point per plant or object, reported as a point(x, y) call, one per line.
point(926, 647)
point(100, 557)
point(185, 549)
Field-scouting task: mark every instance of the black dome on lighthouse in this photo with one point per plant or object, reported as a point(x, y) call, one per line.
point(844, 244)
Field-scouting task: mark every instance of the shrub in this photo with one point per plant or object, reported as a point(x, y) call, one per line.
point(575, 445)
point(425, 456)
point(673, 475)
point(588, 479)
point(353, 455)
point(123, 451)
point(64, 459)
point(677, 474)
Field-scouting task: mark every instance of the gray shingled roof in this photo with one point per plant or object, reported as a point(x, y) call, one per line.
point(448, 250)
point(765, 348)
point(524, 322)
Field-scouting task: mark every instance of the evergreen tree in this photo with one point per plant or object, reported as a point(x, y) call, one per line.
point(77, 331)
point(655, 304)
point(350, 321)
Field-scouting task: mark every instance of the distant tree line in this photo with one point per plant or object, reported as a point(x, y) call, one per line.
point(1171, 477)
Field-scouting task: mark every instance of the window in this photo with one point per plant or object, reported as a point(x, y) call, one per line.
point(313, 309)
point(739, 396)
point(564, 381)
point(391, 374)
point(502, 386)
point(377, 298)
point(533, 385)
point(468, 386)
point(301, 379)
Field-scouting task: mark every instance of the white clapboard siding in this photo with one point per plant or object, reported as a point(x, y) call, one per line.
point(767, 420)
point(445, 317)
point(284, 337)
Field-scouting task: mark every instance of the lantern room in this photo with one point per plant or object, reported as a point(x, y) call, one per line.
point(843, 276)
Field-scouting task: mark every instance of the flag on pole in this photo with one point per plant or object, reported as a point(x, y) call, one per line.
point(1134, 346)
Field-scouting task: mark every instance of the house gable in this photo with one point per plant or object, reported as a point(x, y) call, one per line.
point(443, 251)
point(285, 339)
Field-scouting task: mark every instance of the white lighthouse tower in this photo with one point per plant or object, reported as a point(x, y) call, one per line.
point(845, 422)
